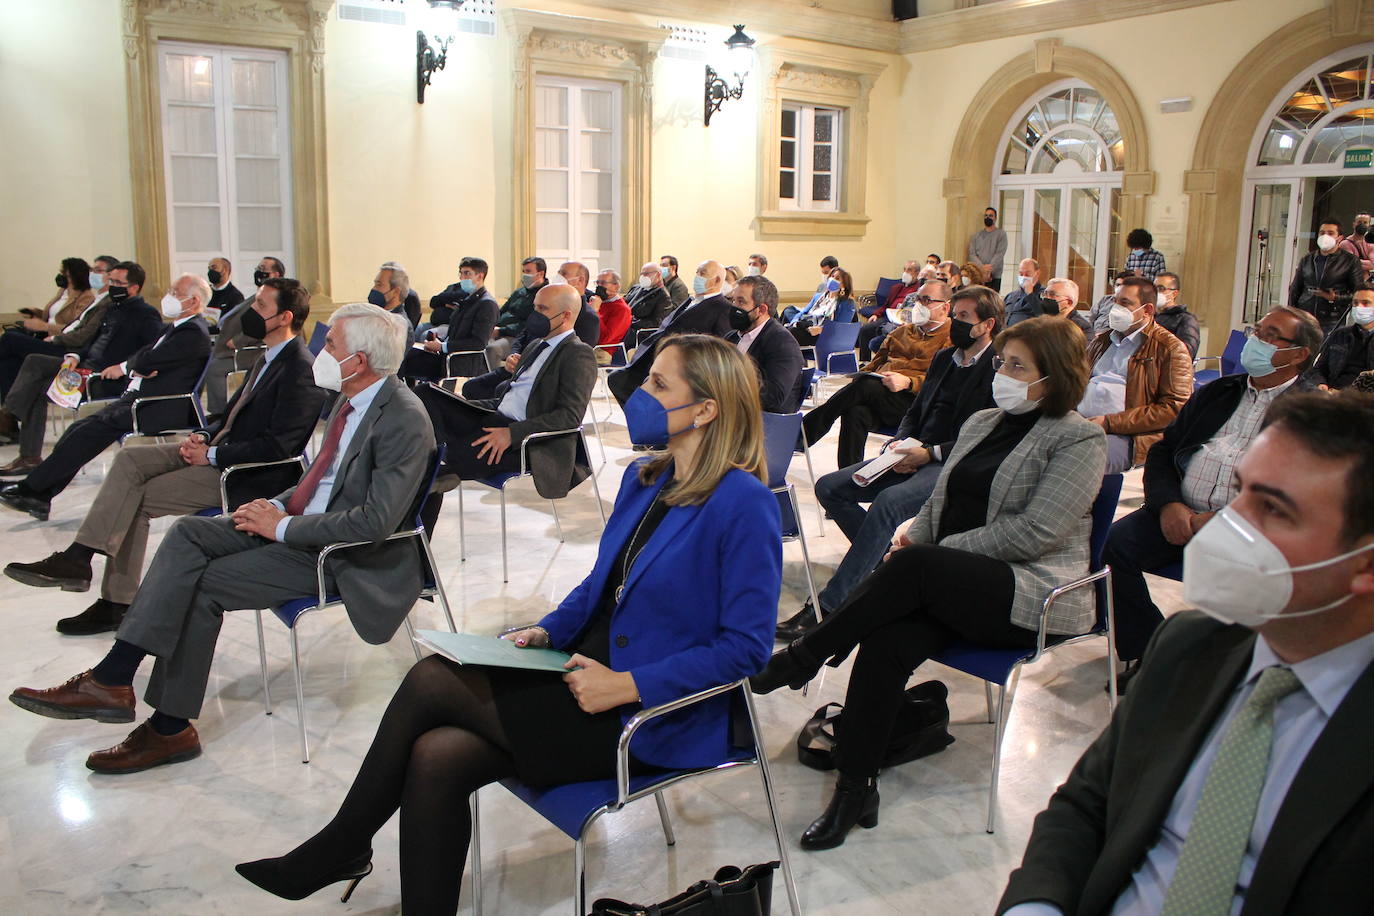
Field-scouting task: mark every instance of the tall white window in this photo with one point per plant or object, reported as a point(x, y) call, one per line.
point(226, 155)
point(809, 160)
point(577, 156)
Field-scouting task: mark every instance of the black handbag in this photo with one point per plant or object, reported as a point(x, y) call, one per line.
point(732, 892)
point(921, 729)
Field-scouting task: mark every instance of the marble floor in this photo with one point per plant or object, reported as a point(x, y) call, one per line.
point(166, 840)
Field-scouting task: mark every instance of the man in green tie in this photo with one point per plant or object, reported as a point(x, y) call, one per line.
point(1237, 777)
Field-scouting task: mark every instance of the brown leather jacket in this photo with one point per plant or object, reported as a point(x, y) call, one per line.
point(909, 351)
point(1159, 381)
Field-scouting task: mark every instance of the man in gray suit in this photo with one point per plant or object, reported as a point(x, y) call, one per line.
point(232, 338)
point(376, 451)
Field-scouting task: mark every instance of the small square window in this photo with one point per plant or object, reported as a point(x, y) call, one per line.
point(820, 159)
point(789, 123)
point(788, 157)
point(820, 187)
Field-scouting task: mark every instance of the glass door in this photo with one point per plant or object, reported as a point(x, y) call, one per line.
point(1269, 247)
point(1080, 240)
point(1046, 230)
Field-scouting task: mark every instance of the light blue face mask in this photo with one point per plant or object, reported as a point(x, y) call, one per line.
point(1257, 357)
point(699, 285)
point(666, 273)
point(96, 280)
point(468, 285)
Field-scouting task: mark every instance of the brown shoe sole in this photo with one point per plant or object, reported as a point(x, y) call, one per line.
point(55, 711)
point(179, 757)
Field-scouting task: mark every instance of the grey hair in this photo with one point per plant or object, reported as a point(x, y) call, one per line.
point(399, 278)
point(615, 276)
point(1070, 287)
point(200, 288)
point(380, 334)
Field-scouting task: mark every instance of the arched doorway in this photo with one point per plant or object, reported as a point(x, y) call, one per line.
point(1057, 185)
point(1311, 157)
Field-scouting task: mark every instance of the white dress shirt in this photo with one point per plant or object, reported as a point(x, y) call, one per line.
point(320, 500)
point(515, 403)
point(267, 358)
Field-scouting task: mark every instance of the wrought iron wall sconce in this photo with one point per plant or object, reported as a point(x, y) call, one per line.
point(431, 58)
point(740, 48)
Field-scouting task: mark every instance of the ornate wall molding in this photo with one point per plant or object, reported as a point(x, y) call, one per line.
point(792, 74)
point(555, 44)
point(295, 26)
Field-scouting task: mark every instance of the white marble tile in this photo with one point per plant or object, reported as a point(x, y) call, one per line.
point(166, 841)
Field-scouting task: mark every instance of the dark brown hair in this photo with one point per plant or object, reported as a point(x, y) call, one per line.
point(1339, 427)
point(987, 303)
point(1057, 347)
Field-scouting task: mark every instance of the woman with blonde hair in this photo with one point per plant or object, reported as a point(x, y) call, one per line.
point(683, 596)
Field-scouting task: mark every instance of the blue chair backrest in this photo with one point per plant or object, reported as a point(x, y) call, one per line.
point(317, 338)
point(1103, 512)
point(780, 432)
point(422, 497)
point(885, 288)
point(844, 311)
point(836, 337)
point(1230, 357)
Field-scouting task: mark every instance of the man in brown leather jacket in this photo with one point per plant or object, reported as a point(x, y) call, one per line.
point(1156, 367)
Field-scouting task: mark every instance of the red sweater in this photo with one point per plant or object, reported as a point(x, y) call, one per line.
point(615, 321)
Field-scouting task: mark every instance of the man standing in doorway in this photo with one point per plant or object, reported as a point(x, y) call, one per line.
point(988, 249)
point(1358, 245)
point(1326, 278)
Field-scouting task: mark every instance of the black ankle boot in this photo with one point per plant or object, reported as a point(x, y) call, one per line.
point(793, 667)
point(796, 626)
point(855, 802)
point(278, 876)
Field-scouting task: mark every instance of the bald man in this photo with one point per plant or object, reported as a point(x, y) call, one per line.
point(549, 390)
point(706, 312)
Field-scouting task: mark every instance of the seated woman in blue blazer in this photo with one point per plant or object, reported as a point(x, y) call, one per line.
point(683, 597)
point(1007, 524)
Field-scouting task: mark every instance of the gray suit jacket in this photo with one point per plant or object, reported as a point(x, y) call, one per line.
point(374, 491)
point(1039, 514)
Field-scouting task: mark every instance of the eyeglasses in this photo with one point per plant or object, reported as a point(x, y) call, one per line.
point(1000, 362)
point(1268, 336)
point(927, 300)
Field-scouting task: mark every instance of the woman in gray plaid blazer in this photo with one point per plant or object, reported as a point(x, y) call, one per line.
point(1007, 523)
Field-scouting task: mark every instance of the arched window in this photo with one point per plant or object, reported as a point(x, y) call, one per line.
point(1058, 187)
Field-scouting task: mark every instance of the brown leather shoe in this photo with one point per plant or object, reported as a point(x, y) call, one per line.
point(20, 465)
point(80, 697)
point(145, 749)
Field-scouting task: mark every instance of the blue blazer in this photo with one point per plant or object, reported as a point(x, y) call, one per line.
point(699, 608)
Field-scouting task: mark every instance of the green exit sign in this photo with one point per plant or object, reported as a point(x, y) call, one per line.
point(1359, 158)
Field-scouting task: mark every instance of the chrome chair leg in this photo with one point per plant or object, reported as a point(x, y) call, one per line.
point(262, 662)
point(579, 877)
point(300, 694)
point(1111, 644)
point(410, 634)
point(475, 855)
point(596, 488)
point(1003, 712)
point(438, 582)
point(462, 538)
point(810, 580)
point(811, 472)
point(769, 796)
point(505, 571)
point(556, 520)
point(663, 818)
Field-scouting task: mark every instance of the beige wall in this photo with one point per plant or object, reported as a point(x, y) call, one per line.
point(64, 150)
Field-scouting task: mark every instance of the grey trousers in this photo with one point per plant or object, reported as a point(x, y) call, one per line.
point(144, 482)
point(204, 568)
point(27, 400)
point(216, 384)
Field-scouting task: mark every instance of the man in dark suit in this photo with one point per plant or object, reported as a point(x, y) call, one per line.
point(471, 313)
point(172, 364)
point(224, 295)
point(1189, 472)
point(548, 391)
point(706, 312)
point(232, 338)
point(958, 385)
point(774, 351)
point(362, 485)
point(648, 300)
point(126, 325)
point(1236, 775)
point(269, 419)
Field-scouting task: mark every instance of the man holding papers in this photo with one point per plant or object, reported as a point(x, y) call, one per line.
point(959, 383)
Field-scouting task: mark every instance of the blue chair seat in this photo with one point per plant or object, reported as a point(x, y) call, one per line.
point(997, 665)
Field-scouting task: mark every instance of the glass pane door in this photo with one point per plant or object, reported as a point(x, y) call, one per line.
point(1081, 258)
point(1011, 209)
point(1045, 231)
point(1268, 243)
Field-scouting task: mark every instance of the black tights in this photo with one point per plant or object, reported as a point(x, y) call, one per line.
point(439, 741)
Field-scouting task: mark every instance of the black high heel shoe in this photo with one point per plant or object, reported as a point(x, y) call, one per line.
point(792, 667)
point(855, 802)
point(276, 877)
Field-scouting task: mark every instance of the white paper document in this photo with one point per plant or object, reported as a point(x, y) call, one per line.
point(884, 462)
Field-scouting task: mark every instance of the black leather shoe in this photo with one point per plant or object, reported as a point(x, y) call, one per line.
point(855, 802)
point(101, 617)
point(22, 500)
point(1123, 677)
point(793, 667)
point(57, 571)
point(277, 877)
point(796, 626)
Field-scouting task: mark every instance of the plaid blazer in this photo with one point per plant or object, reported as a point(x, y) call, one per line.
point(1039, 514)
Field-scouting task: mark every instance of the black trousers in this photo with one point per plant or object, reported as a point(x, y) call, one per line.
point(14, 347)
point(457, 425)
point(83, 441)
point(867, 333)
point(914, 605)
point(863, 405)
point(1135, 546)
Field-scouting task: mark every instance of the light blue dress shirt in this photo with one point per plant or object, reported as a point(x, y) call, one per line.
point(267, 358)
point(1299, 719)
point(320, 501)
point(1118, 353)
point(515, 402)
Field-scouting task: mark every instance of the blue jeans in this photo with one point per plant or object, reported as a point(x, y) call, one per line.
point(894, 498)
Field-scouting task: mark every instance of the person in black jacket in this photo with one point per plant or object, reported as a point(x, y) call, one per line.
point(391, 291)
point(224, 295)
point(958, 385)
point(648, 300)
point(534, 276)
point(706, 312)
point(1189, 472)
point(1349, 350)
point(172, 364)
point(1326, 278)
point(127, 325)
point(270, 418)
point(473, 315)
point(774, 351)
point(1172, 314)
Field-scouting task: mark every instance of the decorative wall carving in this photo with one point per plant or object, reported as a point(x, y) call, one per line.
point(581, 48)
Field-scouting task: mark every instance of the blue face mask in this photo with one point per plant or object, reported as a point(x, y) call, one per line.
point(1137, 251)
point(647, 419)
point(832, 285)
point(1257, 357)
point(96, 280)
point(377, 298)
point(699, 285)
point(665, 272)
point(467, 285)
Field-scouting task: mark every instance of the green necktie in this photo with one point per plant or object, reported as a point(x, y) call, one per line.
point(1205, 881)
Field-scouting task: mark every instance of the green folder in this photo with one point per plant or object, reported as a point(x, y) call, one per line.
point(467, 649)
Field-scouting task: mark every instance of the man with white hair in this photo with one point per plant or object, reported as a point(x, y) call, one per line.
point(171, 364)
point(376, 452)
point(648, 300)
point(1061, 298)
